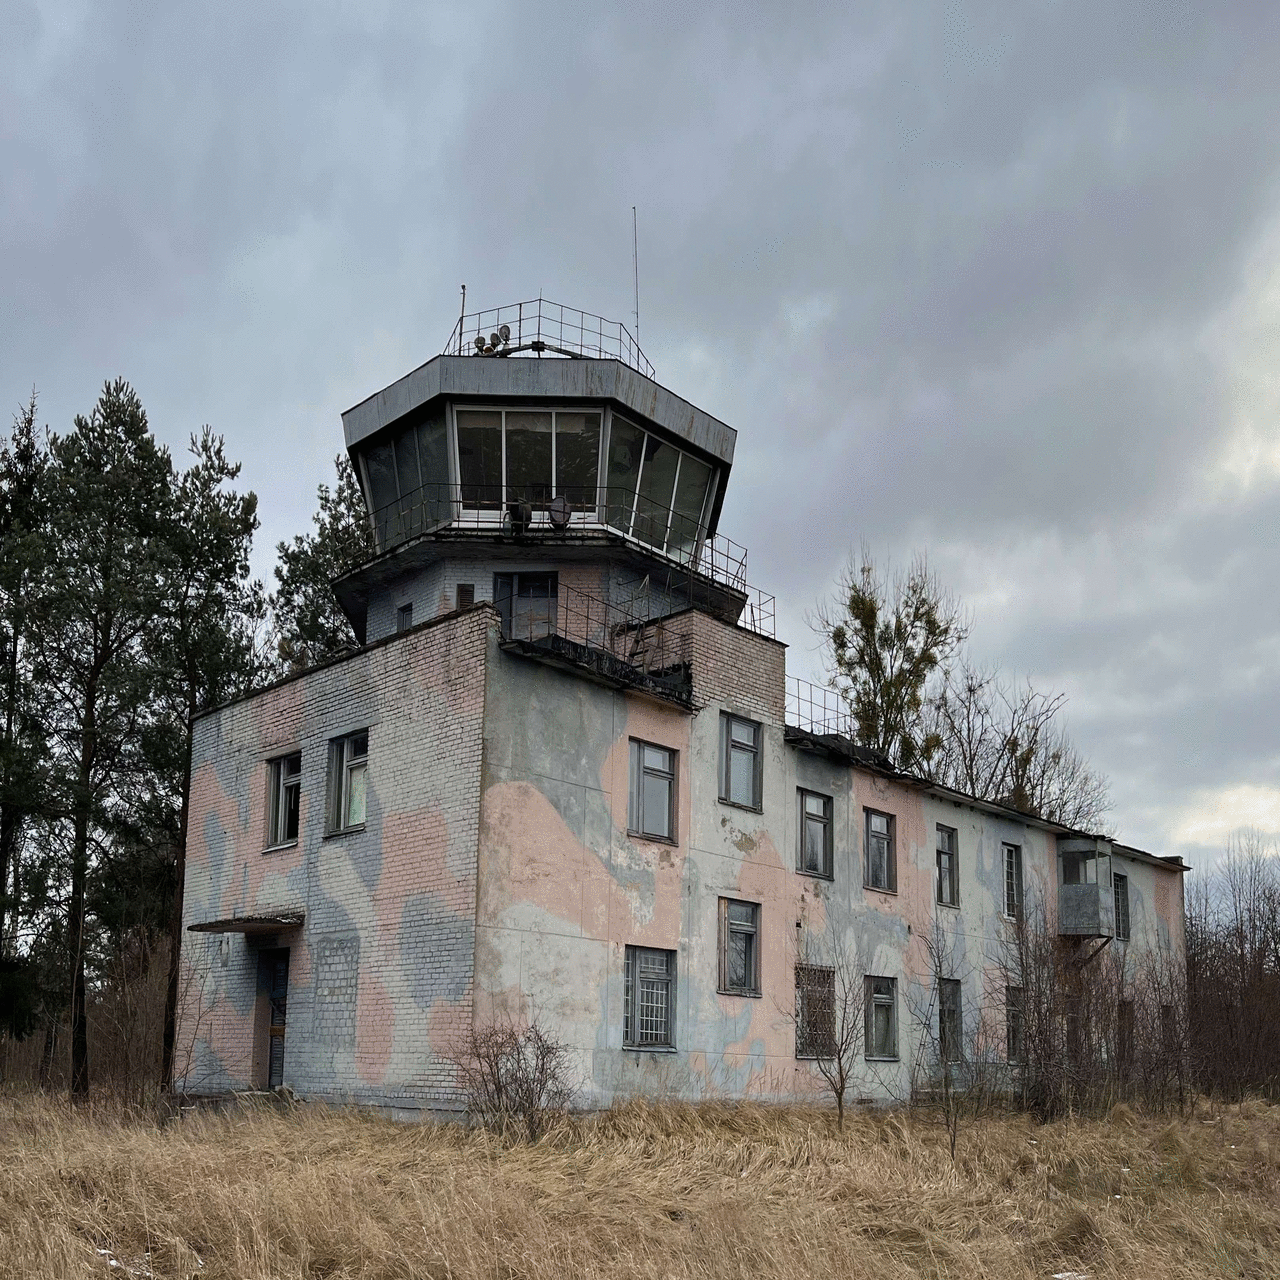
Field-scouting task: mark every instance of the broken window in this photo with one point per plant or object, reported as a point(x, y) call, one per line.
point(881, 1017)
point(1012, 881)
point(1120, 890)
point(648, 998)
point(527, 604)
point(404, 617)
point(1014, 1024)
point(948, 878)
point(285, 783)
point(950, 1027)
point(740, 780)
point(815, 1011)
point(348, 769)
point(651, 804)
point(881, 863)
point(1079, 868)
point(815, 834)
point(739, 947)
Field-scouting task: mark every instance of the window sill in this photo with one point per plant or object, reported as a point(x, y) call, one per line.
point(649, 1048)
point(746, 808)
point(815, 875)
point(641, 835)
point(815, 1057)
point(874, 1058)
point(732, 991)
point(344, 831)
point(279, 848)
point(875, 888)
point(952, 906)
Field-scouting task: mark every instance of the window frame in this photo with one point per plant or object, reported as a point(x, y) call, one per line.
point(828, 838)
point(727, 927)
point(1119, 898)
point(873, 1000)
point(344, 761)
point(727, 746)
point(404, 618)
point(631, 1004)
point(637, 771)
point(278, 783)
point(953, 876)
point(891, 854)
point(1007, 848)
point(809, 978)
point(950, 1009)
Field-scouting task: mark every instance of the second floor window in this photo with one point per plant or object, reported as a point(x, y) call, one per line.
point(348, 771)
point(1120, 885)
point(285, 799)
point(948, 886)
point(815, 834)
point(881, 865)
point(1012, 881)
point(651, 803)
point(740, 773)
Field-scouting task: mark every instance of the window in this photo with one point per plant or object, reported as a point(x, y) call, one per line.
point(740, 947)
point(406, 481)
point(649, 999)
point(466, 596)
point(881, 868)
point(948, 886)
point(815, 1011)
point(1120, 888)
point(815, 835)
point(950, 1028)
point(1012, 881)
point(882, 1018)
point(1079, 868)
point(740, 761)
point(404, 617)
point(651, 807)
point(1014, 1024)
point(527, 604)
point(348, 766)
point(285, 782)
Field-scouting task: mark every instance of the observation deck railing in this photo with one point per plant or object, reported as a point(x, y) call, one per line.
point(614, 643)
point(818, 709)
point(540, 326)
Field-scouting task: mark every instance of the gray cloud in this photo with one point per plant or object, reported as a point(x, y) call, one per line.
point(993, 283)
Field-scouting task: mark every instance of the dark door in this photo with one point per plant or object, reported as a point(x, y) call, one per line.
point(273, 977)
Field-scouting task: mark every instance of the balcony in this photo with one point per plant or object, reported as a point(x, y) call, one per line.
point(1085, 898)
point(608, 644)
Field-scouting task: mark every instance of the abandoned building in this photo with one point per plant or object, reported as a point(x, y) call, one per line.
point(564, 777)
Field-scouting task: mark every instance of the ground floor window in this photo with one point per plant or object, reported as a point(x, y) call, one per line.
point(815, 1011)
point(649, 999)
point(881, 1017)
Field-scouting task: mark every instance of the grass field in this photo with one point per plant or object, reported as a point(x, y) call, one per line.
point(642, 1191)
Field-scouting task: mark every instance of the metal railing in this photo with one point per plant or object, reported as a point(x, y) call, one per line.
point(497, 509)
point(818, 708)
point(539, 326)
point(614, 642)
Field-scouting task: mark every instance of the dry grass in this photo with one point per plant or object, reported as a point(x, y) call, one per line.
point(658, 1191)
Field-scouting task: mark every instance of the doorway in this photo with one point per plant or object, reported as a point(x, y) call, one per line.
point(273, 992)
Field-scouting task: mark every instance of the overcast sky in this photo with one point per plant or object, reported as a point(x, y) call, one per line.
point(1002, 289)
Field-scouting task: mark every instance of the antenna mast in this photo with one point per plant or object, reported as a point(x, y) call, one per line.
point(635, 264)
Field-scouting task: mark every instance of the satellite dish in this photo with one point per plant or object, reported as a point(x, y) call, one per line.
point(504, 332)
point(559, 512)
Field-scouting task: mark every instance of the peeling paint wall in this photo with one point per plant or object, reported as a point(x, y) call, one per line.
point(380, 977)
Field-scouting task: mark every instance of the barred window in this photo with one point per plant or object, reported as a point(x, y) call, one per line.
point(1120, 888)
point(948, 877)
point(1012, 881)
point(649, 998)
point(740, 947)
point(950, 1028)
point(815, 834)
point(285, 782)
point(881, 863)
point(815, 1011)
point(881, 1017)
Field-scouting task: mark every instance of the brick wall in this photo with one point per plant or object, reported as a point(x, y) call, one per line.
point(737, 668)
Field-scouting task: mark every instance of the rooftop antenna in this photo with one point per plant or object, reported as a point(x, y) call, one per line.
point(462, 320)
point(635, 265)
